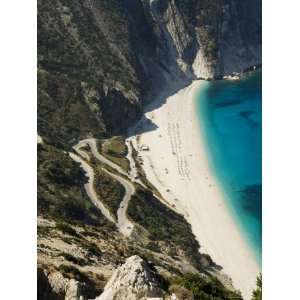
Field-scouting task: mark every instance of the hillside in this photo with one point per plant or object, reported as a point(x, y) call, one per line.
point(100, 62)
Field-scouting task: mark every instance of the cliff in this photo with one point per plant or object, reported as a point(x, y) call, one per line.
point(99, 62)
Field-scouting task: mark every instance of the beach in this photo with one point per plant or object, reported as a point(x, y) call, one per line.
point(175, 162)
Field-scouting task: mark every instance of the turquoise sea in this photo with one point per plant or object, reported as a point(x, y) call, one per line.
point(230, 117)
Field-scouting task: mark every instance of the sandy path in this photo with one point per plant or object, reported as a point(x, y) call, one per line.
point(177, 166)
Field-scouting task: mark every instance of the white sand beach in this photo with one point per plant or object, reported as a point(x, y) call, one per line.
point(177, 165)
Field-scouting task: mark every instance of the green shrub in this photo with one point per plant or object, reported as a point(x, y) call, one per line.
point(76, 260)
point(257, 293)
point(93, 249)
point(153, 247)
point(110, 191)
point(65, 228)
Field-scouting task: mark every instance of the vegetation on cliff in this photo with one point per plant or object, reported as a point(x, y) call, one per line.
point(203, 288)
point(60, 189)
point(115, 150)
point(109, 190)
point(85, 79)
point(163, 224)
point(257, 293)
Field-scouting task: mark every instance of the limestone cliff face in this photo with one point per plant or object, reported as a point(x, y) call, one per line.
point(240, 36)
point(209, 38)
point(177, 41)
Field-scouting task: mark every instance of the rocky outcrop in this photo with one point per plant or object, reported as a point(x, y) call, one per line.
point(134, 280)
point(55, 286)
point(44, 289)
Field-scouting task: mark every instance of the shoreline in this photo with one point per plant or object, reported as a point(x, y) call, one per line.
point(177, 165)
point(225, 193)
point(234, 75)
point(228, 195)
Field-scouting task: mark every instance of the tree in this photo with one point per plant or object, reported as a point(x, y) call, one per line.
point(257, 293)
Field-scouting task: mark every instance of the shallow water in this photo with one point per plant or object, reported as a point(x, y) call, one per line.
point(230, 117)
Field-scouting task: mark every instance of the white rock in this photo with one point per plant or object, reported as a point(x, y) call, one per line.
point(132, 281)
point(58, 282)
point(72, 292)
point(64, 286)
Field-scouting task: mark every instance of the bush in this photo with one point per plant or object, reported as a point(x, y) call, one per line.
point(257, 293)
point(93, 249)
point(73, 259)
point(65, 228)
point(153, 247)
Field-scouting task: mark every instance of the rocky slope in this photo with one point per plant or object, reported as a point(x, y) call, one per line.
point(79, 247)
point(99, 63)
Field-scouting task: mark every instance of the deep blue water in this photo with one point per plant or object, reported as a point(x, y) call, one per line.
point(230, 117)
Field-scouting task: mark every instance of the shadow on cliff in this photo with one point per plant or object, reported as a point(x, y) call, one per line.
point(156, 100)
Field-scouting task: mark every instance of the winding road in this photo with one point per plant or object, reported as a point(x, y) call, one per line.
point(124, 225)
point(93, 146)
point(89, 186)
